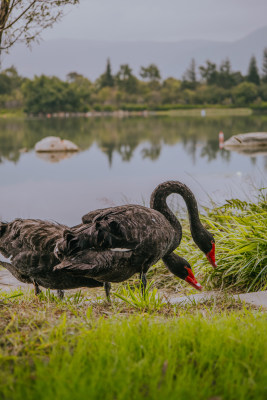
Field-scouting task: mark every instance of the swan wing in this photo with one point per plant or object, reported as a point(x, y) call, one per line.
point(122, 228)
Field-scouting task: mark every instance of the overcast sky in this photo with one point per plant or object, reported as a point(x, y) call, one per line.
point(161, 20)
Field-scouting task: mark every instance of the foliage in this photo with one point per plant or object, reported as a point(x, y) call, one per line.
point(150, 73)
point(241, 245)
point(253, 74)
point(47, 95)
point(148, 301)
point(264, 65)
point(106, 79)
point(245, 93)
point(126, 80)
point(209, 73)
point(124, 91)
point(24, 20)
point(72, 350)
point(190, 77)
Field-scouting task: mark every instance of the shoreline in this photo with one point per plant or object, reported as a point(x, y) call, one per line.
point(183, 112)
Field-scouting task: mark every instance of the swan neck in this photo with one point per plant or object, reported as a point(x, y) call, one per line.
point(158, 202)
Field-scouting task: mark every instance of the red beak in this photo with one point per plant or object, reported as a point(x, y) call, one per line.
point(211, 256)
point(192, 280)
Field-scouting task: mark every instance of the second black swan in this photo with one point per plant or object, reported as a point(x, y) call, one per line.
point(113, 244)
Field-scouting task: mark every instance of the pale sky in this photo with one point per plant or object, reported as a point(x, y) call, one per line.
point(161, 20)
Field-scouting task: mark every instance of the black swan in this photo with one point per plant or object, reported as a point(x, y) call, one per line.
point(113, 244)
point(32, 247)
point(30, 244)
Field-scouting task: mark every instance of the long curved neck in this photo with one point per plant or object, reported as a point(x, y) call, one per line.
point(158, 202)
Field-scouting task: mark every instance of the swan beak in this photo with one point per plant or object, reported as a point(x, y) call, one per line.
point(192, 280)
point(211, 256)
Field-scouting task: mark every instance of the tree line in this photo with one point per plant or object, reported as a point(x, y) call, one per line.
point(207, 85)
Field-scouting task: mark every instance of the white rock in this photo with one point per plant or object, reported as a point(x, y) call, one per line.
point(251, 140)
point(53, 143)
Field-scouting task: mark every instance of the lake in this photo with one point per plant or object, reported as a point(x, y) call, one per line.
point(121, 161)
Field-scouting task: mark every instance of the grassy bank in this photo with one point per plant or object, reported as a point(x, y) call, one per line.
point(136, 111)
point(71, 349)
point(146, 348)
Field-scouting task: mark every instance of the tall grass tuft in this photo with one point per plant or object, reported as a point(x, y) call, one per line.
point(148, 301)
point(240, 228)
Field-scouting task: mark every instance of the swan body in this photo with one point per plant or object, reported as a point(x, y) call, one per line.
point(116, 243)
point(113, 244)
point(30, 244)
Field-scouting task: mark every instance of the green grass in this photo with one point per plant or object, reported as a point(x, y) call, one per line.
point(210, 112)
point(144, 347)
point(149, 300)
point(177, 111)
point(12, 113)
point(75, 350)
point(240, 231)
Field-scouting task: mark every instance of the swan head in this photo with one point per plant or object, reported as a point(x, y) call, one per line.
point(181, 268)
point(206, 242)
point(191, 279)
point(211, 255)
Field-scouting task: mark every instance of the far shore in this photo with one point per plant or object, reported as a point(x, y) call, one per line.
point(183, 112)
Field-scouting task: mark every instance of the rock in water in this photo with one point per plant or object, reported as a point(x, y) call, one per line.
point(53, 143)
point(249, 140)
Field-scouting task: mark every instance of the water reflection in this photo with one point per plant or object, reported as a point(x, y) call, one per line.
point(120, 161)
point(116, 136)
point(56, 156)
point(253, 152)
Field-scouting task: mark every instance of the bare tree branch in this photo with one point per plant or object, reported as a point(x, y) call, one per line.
point(19, 16)
point(24, 20)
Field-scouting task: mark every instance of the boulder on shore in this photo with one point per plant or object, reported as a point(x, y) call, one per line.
point(53, 144)
point(253, 140)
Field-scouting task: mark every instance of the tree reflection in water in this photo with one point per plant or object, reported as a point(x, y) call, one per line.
point(123, 136)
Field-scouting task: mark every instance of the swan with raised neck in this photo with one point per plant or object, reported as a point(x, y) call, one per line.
point(201, 236)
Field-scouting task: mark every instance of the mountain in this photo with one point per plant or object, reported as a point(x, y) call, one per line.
point(61, 56)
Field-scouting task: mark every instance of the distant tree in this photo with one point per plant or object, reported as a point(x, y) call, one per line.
point(9, 80)
point(264, 65)
point(245, 93)
point(209, 73)
point(171, 91)
point(126, 80)
point(190, 76)
point(5, 84)
point(24, 20)
point(151, 73)
point(263, 91)
point(82, 87)
point(253, 74)
point(225, 78)
point(74, 76)
point(237, 78)
point(106, 79)
point(46, 95)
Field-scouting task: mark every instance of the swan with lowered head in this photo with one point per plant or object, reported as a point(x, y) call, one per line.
point(113, 244)
point(110, 246)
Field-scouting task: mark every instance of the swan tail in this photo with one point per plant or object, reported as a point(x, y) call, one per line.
point(3, 227)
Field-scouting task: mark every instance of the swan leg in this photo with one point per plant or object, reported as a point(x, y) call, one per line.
point(37, 289)
point(143, 281)
point(60, 294)
point(107, 287)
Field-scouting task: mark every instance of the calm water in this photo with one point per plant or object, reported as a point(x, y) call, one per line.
point(121, 161)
